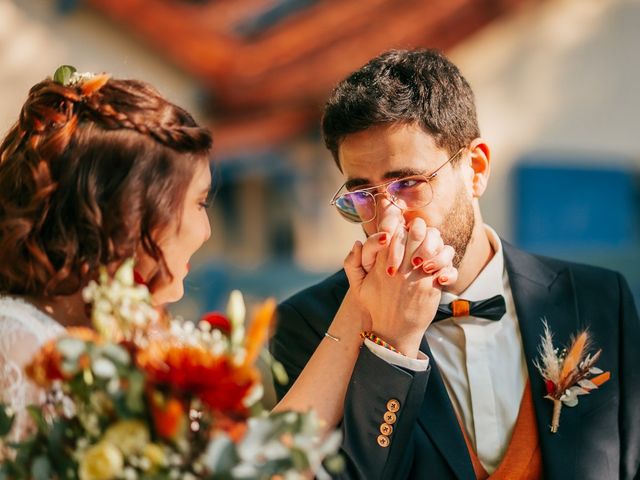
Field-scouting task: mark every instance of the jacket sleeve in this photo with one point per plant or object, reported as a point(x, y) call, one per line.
point(374, 383)
point(378, 388)
point(629, 384)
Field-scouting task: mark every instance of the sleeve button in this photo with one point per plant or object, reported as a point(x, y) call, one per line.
point(393, 405)
point(386, 429)
point(390, 418)
point(383, 441)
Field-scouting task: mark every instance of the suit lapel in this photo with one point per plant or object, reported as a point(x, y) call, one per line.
point(439, 421)
point(540, 292)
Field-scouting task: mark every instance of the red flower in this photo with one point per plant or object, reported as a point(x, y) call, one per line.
point(218, 321)
point(221, 384)
point(549, 386)
point(46, 365)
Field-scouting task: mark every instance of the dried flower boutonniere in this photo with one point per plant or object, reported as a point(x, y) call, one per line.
point(568, 373)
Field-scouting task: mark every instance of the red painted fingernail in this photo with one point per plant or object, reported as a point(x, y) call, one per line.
point(428, 267)
point(391, 271)
point(417, 261)
point(444, 279)
point(383, 239)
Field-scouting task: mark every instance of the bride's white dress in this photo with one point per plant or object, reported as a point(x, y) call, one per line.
point(23, 330)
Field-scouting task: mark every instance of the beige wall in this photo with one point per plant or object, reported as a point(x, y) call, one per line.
point(563, 78)
point(35, 40)
point(560, 76)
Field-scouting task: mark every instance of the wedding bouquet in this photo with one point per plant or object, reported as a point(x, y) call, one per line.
point(145, 396)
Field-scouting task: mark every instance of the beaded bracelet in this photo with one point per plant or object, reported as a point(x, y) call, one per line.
point(378, 341)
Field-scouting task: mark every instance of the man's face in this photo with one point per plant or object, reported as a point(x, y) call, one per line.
point(388, 152)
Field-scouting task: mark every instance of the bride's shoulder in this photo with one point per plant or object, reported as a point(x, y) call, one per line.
point(23, 330)
point(23, 327)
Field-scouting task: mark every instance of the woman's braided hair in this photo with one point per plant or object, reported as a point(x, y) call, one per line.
point(91, 172)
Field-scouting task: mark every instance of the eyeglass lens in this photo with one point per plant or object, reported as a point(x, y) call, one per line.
point(406, 193)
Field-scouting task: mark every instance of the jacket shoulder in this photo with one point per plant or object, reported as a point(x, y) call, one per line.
point(326, 294)
point(521, 262)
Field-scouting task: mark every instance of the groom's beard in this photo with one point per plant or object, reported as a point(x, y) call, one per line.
point(457, 227)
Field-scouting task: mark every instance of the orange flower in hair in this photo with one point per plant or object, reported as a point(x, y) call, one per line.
point(93, 84)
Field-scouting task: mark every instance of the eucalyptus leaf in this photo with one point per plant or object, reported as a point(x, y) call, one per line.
point(56, 439)
point(63, 74)
point(36, 415)
point(135, 393)
point(334, 463)
point(221, 454)
point(71, 348)
point(299, 458)
point(279, 373)
point(69, 367)
point(117, 353)
point(23, 451)
point(41, 468)
point(6, 421)
point(103, 368)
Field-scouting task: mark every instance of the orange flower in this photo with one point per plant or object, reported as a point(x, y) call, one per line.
point(169, 416)
point(258, 330)
point(46, 365)
point(216, 380)
point(236, 429)
point(83, 333)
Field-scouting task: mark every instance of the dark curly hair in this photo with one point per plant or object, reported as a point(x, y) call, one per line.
point(88, 175)
point(419, 87)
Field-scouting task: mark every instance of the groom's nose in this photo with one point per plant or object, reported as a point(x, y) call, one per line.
point(388, 215)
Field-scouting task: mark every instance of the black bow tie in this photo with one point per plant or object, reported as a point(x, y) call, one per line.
point(491, 309)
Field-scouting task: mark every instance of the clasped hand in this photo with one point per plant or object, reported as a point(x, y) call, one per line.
point(397, 276)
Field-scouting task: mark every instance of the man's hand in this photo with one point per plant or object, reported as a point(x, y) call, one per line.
point(399, 280)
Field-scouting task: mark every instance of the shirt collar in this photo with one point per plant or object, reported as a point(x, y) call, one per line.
point(489, 281)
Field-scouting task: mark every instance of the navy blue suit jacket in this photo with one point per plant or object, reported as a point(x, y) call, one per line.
point(597, 439)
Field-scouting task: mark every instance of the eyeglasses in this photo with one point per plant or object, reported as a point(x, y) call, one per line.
point(407, 193)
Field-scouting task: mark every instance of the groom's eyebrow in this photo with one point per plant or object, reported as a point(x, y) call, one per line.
point(401, 173)
point(353, 183)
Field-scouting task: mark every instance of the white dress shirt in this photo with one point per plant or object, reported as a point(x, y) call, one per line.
point(481, 361)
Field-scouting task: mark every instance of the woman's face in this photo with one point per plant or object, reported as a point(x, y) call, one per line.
point(181, 241)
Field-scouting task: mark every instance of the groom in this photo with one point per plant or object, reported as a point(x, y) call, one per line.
point(450, 390)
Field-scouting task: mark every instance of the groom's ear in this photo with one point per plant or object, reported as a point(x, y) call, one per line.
point(480, 163)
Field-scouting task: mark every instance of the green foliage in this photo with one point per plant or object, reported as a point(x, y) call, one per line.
point(63, 74)
point(6, 421)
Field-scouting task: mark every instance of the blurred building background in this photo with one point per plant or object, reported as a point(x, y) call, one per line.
point(557, 85)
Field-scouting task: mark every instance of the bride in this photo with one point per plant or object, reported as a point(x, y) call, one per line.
point(95, 170)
